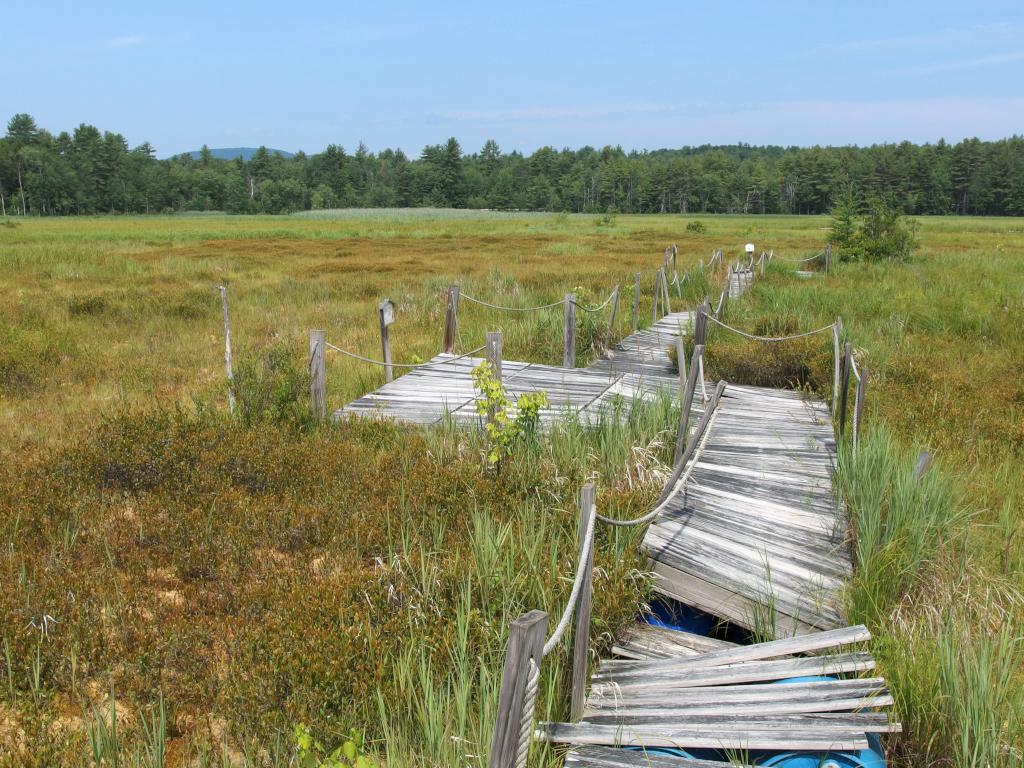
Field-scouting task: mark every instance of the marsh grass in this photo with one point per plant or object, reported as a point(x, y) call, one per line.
point(253, 575)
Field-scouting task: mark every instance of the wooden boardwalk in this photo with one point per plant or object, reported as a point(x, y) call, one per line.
point(443, 388)
point(750, 533)
point(731, 699)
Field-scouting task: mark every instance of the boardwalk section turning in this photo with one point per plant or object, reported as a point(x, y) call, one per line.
point(753, 534)
point(636, 368)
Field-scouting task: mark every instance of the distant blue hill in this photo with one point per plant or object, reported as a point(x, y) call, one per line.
point(230, 153)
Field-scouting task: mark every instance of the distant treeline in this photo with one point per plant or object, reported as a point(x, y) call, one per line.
point(87, 172)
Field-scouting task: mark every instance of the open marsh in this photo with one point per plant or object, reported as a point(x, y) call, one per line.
point(359, 575)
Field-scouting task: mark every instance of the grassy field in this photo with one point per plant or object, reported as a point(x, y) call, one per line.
point(215, 584)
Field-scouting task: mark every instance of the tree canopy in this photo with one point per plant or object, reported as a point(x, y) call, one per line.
point(89, 171)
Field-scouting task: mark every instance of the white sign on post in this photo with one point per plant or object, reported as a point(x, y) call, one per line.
point(387, 312)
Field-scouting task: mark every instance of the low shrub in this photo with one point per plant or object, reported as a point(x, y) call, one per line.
point(795, 364)
point(275, 389)
point(696, 227)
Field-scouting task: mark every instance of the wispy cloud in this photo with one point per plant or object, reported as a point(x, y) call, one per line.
point(954, 66)
point(547, 114)
point(126, 41)
point(978, 34)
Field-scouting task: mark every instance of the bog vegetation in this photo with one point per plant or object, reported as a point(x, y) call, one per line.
point(182, 588)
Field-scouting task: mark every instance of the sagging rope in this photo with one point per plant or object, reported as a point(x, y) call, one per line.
point(599, 307)
point(853, 367)
point(467, 297)
point(403, 365)
point(800, 261)
point(577, 586)
point(751, 336)
point(539, 307)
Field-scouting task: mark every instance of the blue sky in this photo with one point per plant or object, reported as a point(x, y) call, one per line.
point(642, 75)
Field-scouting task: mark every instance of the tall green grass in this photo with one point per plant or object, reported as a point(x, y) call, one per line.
point(947, 630)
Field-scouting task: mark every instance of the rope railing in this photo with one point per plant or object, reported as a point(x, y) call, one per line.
point(597, 308)
point(754, 337)
point(577, 585)
point(539, 307)
point(384, 363)
point(801, 261)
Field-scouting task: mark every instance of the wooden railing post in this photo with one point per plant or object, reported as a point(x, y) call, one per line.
point(687, 403)
point(227, 350)
point(664, 290)
point(612, 315)
point(700, 326)
point(675, 254)
point(318, 373)
point(451, 320)
point(569, 332)
point(924, 462)
point(386, 315)
point(493, 352)
point(837, 331)
point(844, 385)
point(681, 361)
point(525, 643)
point(493, 344)
point(657, 296)
point(636, 304)
point(858, 407)
point(581, 633)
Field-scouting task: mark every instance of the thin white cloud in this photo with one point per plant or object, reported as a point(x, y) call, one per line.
point(126, 41)
point(546, 114)
point(954, 66)
point(978, 34)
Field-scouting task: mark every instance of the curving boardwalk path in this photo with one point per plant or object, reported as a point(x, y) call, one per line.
point(750, 533)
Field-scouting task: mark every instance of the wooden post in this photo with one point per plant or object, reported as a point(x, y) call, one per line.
point(612, 315)
point(675, 254)
point(681, 361)
point(924, 462)
point(451, 320)
point(844, 385)
point(700, 327)
point(386, 314)
point(664, 291)
point(762, 263)
point(666, 258)
point(636, 304)
point(654, 303)
point(858, 408)
point(493, 344)
point(569, 332)
point(837, 331)
point(525, 643)
point(691, 444)
point(493, 352)
point(687, 403)
point(318, 373)
point(581, 632)
point(227, 350)
point(828, 256)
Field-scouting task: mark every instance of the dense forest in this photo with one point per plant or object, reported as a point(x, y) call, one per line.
point(88, 172)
